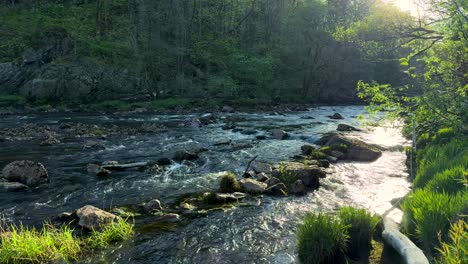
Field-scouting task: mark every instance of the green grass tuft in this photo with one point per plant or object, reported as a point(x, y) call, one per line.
point(361, 227)
point(229, 183)
point(50, 244)
point(27, 245)
point(118, 231)
point(321, 239)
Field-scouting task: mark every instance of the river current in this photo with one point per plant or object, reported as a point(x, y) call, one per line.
point(263, 233)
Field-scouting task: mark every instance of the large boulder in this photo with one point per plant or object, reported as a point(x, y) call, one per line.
point(307, 149)
point(26, 172)
point(93, 218)
point(353, 149)
point(309, 174)
point(251, 186)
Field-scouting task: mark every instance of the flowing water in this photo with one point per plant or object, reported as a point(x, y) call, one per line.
point(255, 234)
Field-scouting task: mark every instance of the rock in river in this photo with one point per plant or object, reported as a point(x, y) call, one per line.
point(153, 206)
point(26, 172)
point(336, 116)
point(97, 170)
point(279, 134)
point(354, 149)
point(185, 155)
point(91, 217)
point(344, 127)
point(298, 187)
point(252, 186)
point(278, 189)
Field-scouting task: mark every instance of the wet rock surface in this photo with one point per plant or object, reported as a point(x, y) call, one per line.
point(27, 172)
point(93, 218)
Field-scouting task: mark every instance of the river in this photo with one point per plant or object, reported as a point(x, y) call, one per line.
point(263, 233)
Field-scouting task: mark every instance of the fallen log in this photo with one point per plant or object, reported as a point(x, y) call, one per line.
point(125, 166)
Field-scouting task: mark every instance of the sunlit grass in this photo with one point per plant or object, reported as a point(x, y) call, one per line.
point(20, 244)
point(118, 231)
point(427, 214)
point(450, 181)
point(27, 245)
point(321, 239)
point(361, 227)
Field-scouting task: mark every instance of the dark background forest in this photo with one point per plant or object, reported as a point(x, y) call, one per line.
point(215, 52)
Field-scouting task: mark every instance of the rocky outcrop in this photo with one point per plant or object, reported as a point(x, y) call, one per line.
point(26, 172)
point(11, 77)
point(309, 174)
point(352, 149)
point(93, 218)
point(307, 149)
point(298, 187)
point(278, 189)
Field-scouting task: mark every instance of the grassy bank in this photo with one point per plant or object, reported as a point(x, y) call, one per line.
point(20, 244)
point(435, 212)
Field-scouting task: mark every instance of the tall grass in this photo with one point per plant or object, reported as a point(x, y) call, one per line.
point(321, 239)
point(361, 227)
point(450, 181)
point(28, 245)
point(427, 213)
point(437, 158)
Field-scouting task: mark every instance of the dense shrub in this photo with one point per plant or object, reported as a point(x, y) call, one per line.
point(361, 227)
point(229, 183)
point(321, 239)
point(426, 214)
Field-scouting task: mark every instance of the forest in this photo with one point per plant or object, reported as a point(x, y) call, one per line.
point(234, 131)
point(240, 52)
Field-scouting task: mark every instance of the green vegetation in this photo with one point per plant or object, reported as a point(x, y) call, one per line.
point(232, 52)
point(229, 183)
point(119, 231)
point(321, 239)
point(27, 245)
point(12, 100)
point(455, 251)
point(361, 228)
